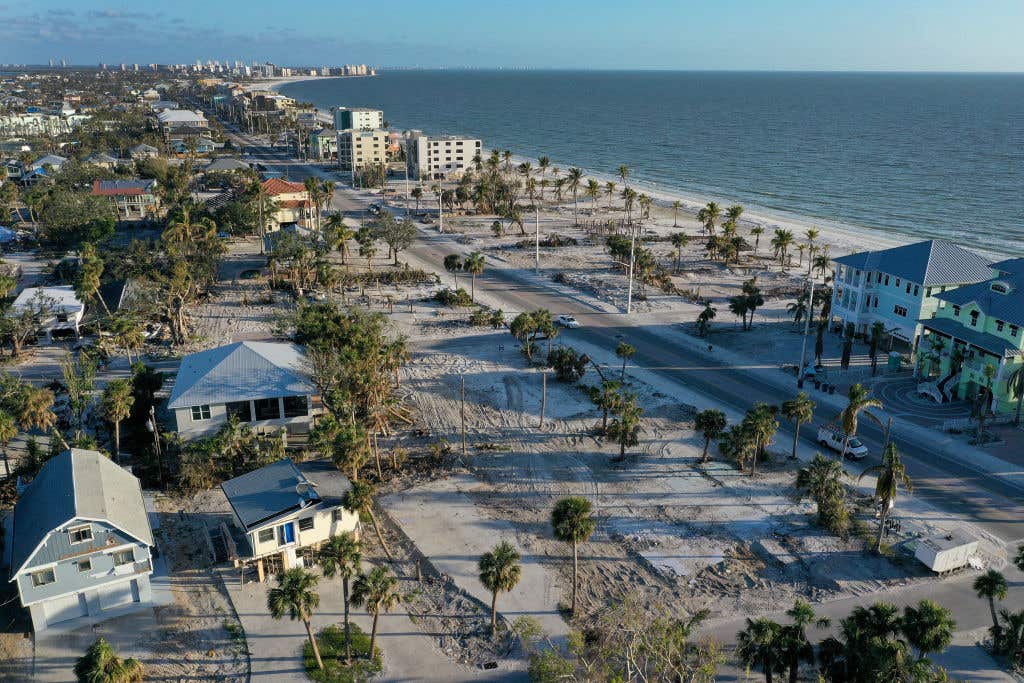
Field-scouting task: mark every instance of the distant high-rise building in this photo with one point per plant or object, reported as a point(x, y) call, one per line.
point(358, 118)
point(429, 158)
point(124, 67)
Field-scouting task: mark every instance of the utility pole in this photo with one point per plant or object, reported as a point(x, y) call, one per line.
point(543, 396)
point(440, 209)
point(807, 331)
point(462, 414)
point(536, 246)
point(629, 290)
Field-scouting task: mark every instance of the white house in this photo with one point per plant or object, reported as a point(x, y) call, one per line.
point(286, 511)
point(265, 385)
point(58, 308)
point(898, 286)
point(80, 541)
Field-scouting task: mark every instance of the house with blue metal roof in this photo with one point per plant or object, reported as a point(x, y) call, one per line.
point(80, 540)
point(972, 345)
point(285, 511)
point(264, 385)
point(898, 287)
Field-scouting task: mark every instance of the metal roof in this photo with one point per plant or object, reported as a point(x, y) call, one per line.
point(242, 371)
point(933, 262)
point(268, 492)
point(1008, 306)
point(77, 484)
point(954, 328)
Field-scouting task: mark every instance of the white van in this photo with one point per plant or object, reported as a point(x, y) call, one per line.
point(833, 437)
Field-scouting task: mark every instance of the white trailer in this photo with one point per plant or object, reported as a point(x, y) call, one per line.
point(947, 552)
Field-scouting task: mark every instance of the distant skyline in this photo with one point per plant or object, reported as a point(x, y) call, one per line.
point(871, 35)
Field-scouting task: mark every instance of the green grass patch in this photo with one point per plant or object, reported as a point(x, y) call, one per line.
point(332, 652)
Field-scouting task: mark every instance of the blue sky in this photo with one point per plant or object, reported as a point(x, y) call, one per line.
point(930, 35)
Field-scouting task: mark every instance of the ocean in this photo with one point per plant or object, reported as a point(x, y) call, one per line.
point(920, 155)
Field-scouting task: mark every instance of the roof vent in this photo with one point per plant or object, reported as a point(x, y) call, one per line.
point(1000, 287)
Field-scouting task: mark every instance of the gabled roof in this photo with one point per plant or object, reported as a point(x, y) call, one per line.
point(179, 116)
point(276, 186)
point(270, 491)
point(140, 148)
point(1008, 306)
point(226, 164)
point(123, 188)
point(933, 262)
point(54, 160)
point(242, 371)
point(101, 158)
point(77, 484)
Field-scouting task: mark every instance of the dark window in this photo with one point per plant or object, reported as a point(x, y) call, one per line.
point(928, 291)
point(80, 534)
point(876, 302)
point(43, 578)
point(900, 311)
point(917, 290)
point(84, 566)
point(123, 557)
point(908, 288)
point(266, 535)
point(999, 326)
point(897, 282)
point(337, 514)
point(296, 406)
point(267, 409)
point(974, 318)
point(305, 524)
point(1013, 330)
point(956, 311)
point(239, 410)
point(200, 413)
point(887, 280)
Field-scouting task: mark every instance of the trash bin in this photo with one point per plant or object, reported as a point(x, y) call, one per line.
point(895, 362)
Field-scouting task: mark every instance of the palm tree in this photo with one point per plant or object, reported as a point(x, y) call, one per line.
point(757, 231)
point(417, 194)
point(116, 405)
point(1016, 384)
point(542, 165)
point(626, 427)
point(928, 627)
point(499, 571)
point(453, 264)
point(676, 205)
point(606, 398)
point(340, 556)
point(296, 597)
point(812, 234)
point(593, 191)
point(574, 178)
point(709, 216)
point(795, 646)
point(679, 240)
point(984, 392)
point(822, 481)
point(572, 523)
point(8, 430)
point(781, 243)
point(339, 234)
point(763, 426)
point(609, 190)
point(892, 473)
point(35, 409)
point(758, 646)
point(359, 498)
point(733, 213)
point(474, 265)
point(710, 423)
point(623, 174)
point(101, 664)
point(377, 592)
point(858, 400)
point(799, 410)
point(625, 351)
point(991, 586)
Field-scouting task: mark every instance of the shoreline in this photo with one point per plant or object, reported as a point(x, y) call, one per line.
point(843, 238)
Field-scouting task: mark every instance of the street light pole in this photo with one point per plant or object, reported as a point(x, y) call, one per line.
point(536, 245)
point(629, 290)
point(807, 331)
point(440, 209)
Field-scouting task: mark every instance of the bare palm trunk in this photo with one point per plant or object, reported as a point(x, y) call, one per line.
point(995, 618)
point(881, 526)
point(117, 440)
point(494, 613)
point(312, 642)
point(376, 454)
point(373, 634)
point(348, 627)
point(704, 456)
point(575, 574)
point(380, 536)
point(796, 437)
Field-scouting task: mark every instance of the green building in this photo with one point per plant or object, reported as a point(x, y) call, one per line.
point(974, 341)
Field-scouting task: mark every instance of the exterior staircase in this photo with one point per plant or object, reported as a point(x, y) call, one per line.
point(939, 391)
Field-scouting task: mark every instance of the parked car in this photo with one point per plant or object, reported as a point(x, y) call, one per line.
point(567, 321)
point(834, 438)
point(374, 209)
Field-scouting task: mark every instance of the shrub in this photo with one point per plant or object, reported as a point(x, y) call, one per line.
point(481, 317)
point(454, 297)
point(332, 651)
point(569, 365)
point(560, 278)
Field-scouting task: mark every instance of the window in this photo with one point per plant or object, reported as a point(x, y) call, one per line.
point(265, 535)
point(999, 325)
point(928, 291)
point(84, 566)
point(80, 534)
point(239, 410)
point(1013, 330)
point(306, 524)
point(200, 413)
point(917, 290)
point(886, 280)
point(900, 311)
point(267, 409)
point(337, 514)
point(876, 302)
point(956, 311)
point(897, 282)
point(908, 288)
point(123, 557)
point(974, 318)
point(43, 578)
point(296, 406)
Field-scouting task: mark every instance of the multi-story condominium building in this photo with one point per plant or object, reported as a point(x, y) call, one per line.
point(358, 118)
point(80, 541)
point(292, 203)
point(900, 286)
point(429, 158)
point(323, 144)
point(361, 149)
point(977, 327)
point(133, 199)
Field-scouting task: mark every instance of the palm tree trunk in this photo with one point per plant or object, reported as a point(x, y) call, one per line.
point(348, 627)
point(704, 455)
point(376, 454)
point(373, 634)
point(622, 378)
point(575, 574)
point(604, 421)
point(881, 526)
point(494, 613)
point(472, 287)
point(117, 440)
point(380, 536)
point(995, 618)
point(768, 672)
point(794, 669)
point(312, 642)
point(796, 437)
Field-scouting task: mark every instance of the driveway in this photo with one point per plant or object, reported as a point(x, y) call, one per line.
point(275, 646)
